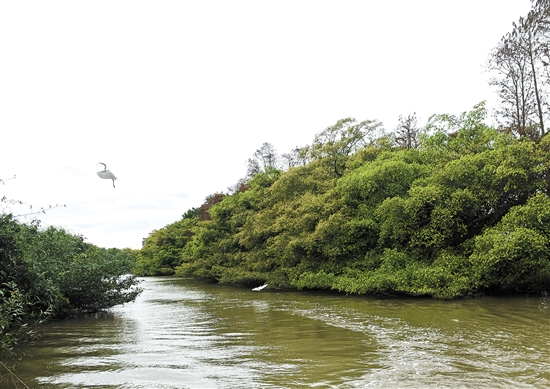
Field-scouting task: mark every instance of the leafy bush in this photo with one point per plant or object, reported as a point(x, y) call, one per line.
point(50, 273)
point(515, 254)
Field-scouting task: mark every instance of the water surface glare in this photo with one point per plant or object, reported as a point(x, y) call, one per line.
point(182, 333)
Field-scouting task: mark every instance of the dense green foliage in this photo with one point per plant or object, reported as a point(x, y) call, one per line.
point(464, 213)
point(50, 273)
point(162, 250)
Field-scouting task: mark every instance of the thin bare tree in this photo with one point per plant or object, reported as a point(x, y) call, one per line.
point(521, 76)
point(407, 132)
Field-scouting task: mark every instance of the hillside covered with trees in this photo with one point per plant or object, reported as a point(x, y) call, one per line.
point(467, 211)
point(453, 208)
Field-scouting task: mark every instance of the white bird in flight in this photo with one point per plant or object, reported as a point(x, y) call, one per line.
point(106, 173)
point(257, 289)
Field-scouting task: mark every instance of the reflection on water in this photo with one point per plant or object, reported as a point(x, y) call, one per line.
point(186, 334)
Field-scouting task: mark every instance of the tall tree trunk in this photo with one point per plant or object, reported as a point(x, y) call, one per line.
point(535, 84)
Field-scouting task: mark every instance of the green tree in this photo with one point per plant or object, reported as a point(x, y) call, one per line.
point(49, 273)
point(163, 248)
point(336, 143)
point(514, 255)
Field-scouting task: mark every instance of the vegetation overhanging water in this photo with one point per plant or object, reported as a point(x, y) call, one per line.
point(464, 214)
point(456, 208)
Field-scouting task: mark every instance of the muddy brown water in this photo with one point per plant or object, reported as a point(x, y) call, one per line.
point(182, 333)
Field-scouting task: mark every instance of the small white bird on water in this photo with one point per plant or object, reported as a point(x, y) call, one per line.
point(106, 174)
point(257, 289)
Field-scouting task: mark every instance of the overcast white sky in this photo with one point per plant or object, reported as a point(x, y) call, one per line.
point(175, 96)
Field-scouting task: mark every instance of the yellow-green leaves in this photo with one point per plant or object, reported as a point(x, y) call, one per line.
point(463, 214)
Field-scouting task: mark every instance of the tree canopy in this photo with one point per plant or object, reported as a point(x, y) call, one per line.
point(454, 216)
point(454, 208)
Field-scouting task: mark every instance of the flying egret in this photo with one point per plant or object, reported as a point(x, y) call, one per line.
point(106, 173)
point(257, 289)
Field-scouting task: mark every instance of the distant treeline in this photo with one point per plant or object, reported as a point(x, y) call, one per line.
point(455, 208)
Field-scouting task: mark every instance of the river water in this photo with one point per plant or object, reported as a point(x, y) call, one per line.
point(182, 333)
